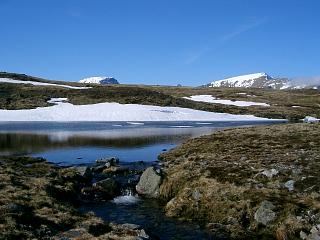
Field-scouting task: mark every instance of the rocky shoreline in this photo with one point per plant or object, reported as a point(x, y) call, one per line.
point(243, 183)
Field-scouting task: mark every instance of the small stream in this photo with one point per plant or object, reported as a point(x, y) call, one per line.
point(149, 214)
point(135, 144)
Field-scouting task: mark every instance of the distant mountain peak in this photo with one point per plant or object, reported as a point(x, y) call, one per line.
point(253, 80)
point(100, 80)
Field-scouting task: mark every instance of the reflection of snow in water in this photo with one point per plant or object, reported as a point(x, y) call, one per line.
point(203, 123)
point(135, 123)
point(121, 133)
point(181, 126)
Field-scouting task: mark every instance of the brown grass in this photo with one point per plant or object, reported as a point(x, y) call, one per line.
point(226, 169)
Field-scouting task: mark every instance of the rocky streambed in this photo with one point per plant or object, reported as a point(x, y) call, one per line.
point(39, 200)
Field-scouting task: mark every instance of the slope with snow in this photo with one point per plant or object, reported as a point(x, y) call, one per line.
point(255, 80)
point(211, 99)
point(8, 80)
point(99, 80)
point(65, 112)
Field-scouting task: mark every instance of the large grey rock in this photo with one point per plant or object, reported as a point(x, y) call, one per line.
point(265, 213)
point(270, 173)
point(149, 183)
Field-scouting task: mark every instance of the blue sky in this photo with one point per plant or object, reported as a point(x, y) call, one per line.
point(190, 42)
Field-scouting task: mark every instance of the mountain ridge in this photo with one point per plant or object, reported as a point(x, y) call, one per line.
point(100, 80)
point(260, 80)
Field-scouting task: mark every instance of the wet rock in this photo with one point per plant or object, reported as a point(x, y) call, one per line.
point(99, 168)
point(265, 213)
point(131, 226)
point(111, 160)
point(127, 231)
point(149, 183)
point(289, 185)
point(106, 188)
point(83, 171)
point(72, 234)
point(219, 230)
point(116, 170)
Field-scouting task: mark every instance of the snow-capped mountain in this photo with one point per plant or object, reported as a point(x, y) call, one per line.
point(255, 80)
point(100, 80)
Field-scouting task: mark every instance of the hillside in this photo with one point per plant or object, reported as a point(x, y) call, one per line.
point(264, 181)
point(290, 104)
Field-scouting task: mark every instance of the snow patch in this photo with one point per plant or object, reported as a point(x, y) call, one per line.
point(66, 112)
point(309, 119)
point(211, 99)
point(8, 80)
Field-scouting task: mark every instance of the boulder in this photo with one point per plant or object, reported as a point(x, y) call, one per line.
point(149, 183)
point(107, 188)
point(111, 160)
point(265, 213)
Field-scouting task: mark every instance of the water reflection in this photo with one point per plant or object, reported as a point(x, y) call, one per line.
point(83, 142)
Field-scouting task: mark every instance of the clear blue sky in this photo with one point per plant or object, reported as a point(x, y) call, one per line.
point(190, 42)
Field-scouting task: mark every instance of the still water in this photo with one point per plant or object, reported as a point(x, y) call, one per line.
point(84, 142)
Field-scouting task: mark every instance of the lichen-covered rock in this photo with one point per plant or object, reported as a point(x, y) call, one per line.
point(270, 173)
point(265, 213)
point(149, 183)
point(289, 185)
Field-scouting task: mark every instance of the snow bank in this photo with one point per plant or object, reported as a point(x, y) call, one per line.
point(309, 119)
point(8, 80)
point(211, 99)
point(66, 112)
